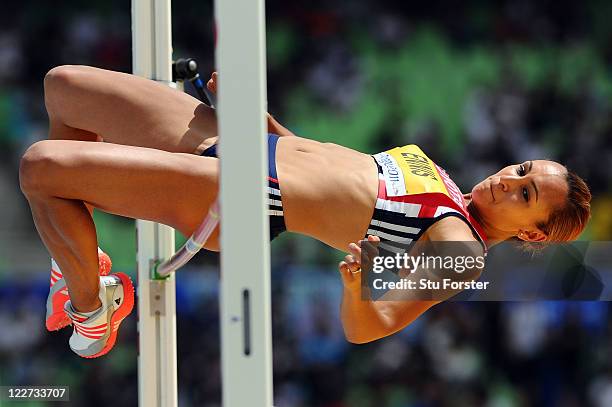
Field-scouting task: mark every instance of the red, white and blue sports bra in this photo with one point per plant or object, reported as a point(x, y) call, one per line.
point(413, 194)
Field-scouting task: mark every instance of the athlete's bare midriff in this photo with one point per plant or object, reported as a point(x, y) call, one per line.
point(328, 191)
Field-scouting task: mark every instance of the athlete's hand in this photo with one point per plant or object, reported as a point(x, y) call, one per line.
point(350, 267)
point(273, 125)
point(212, 83)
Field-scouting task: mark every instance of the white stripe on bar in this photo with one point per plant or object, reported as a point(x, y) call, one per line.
point(272, 212)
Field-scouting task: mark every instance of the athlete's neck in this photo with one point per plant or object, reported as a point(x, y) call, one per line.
point(494, 235)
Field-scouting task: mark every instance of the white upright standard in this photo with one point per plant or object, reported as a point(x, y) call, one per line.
point(157, 375)
point(246, 331)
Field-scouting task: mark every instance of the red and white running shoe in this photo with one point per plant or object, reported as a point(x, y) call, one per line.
point(56, 317)
point(95, 335)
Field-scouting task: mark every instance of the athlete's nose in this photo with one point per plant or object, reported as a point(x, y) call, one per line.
point(507, 182)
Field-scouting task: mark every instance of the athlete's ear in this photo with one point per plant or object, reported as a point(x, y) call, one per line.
point(535, 235)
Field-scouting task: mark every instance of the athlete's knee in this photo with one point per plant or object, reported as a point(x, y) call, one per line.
point(35, 167)
point(58, 83)
point(61, 76)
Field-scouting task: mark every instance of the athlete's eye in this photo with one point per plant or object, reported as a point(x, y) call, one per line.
point(520, 170)
point(526, 194)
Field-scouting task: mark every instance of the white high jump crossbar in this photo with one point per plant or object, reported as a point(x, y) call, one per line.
point(245, 309)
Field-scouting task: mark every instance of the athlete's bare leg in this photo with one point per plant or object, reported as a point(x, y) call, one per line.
point(91, 104)
point(59, 176)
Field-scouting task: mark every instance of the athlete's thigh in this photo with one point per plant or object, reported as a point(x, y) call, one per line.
point(127, 109)
point(175, 189)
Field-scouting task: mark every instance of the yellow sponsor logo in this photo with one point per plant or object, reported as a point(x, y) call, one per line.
point(420, 173)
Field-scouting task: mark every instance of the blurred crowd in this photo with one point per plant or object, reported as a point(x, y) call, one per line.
point(456, 355)
point(477, 85)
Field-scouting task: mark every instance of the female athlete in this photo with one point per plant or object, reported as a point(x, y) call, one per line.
point(158, 162)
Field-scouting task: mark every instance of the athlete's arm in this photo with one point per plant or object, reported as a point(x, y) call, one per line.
point(277, 128)
point(273, 125)
point(360, 317)
point(365, 320)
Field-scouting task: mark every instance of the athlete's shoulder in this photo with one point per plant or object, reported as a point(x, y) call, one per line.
point(451, 236)
point(451, 228)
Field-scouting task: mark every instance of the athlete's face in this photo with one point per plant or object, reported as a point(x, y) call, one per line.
point(517, 198)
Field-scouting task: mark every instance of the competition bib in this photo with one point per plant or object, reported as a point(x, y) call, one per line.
point(408, 171)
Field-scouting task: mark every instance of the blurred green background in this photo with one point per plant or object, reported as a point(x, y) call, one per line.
point(478, 85)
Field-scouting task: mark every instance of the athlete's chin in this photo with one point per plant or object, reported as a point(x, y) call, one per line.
point(478, 197)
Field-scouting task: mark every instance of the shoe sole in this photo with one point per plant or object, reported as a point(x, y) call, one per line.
point(118, 316)
point(58, 320)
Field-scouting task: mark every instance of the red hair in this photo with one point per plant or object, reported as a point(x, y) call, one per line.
point(568, 221)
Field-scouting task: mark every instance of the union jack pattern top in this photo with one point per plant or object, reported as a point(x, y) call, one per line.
point(401, 220)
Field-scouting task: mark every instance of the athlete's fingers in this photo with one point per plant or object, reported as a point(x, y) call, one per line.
point(360, 252)
point(368, 253)
point(370, 246)
point(365, 260)
point(345, 272)
point(350, 260)
point(212, 82)
point(371, 241)
point(351, 278)
point(344, 268)
point(353, 263)
point(355, 250)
